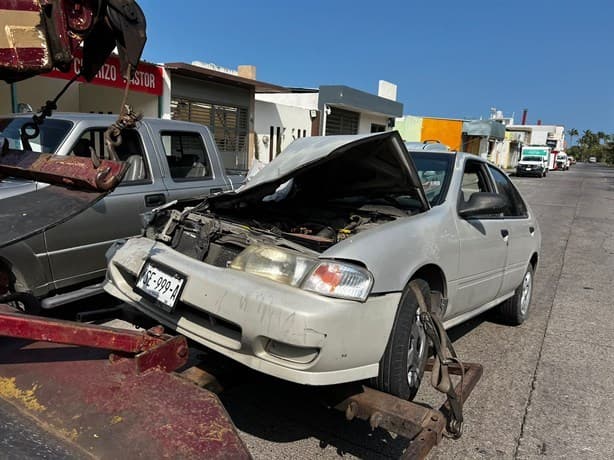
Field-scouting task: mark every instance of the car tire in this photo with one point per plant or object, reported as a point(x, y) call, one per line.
point(515, 310)
point(402, 365)
point(23, 301)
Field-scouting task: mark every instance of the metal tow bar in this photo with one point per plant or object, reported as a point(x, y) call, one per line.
point(126, 405)
point(423, 426)
point(151, 348)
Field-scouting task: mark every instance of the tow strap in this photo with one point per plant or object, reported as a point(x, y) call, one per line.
point(444, 356)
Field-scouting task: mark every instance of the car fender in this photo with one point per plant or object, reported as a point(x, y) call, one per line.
point(31, 271)
point(394, 252)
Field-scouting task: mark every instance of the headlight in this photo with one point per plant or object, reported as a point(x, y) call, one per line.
point(329, 278)
point(273, 263)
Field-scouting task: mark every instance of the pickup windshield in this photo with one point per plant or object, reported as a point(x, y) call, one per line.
point(52, 133)
point(532, 158)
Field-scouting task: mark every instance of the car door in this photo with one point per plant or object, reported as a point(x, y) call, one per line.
point(189, 161)
point(483, 245)
point(522, 232)
point(77, 247)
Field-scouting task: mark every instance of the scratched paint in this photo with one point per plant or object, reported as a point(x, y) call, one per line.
point(27, 398)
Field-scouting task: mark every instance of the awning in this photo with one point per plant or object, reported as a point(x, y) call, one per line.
point(484, 128)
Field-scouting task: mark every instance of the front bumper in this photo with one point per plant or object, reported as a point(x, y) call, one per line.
point(529, 172)
point(273, 328)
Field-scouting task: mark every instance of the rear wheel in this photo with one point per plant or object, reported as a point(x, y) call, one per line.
point(515, 310)
point(402, 365)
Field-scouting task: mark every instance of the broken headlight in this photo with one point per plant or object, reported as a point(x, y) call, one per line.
point(329, 278)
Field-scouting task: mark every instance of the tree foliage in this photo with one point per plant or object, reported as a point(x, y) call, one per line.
point(599, 145)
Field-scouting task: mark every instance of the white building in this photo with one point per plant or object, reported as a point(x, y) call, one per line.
point(283, 116)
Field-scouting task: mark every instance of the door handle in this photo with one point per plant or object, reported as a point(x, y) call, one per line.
point(505, 234)
point(156, 199)
point(213, 191)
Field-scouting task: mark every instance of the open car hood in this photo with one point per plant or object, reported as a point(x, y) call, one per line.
point(335, 167)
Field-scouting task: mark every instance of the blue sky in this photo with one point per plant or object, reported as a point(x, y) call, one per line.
point(449, 58)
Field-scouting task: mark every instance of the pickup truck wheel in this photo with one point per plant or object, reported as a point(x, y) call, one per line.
point(515, 310)
point(23, 301)
point(402, 365)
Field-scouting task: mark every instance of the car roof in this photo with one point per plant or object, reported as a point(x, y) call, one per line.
point(106, 119)
point(427, 146)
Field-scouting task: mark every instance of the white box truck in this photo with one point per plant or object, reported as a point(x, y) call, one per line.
point(535, 161)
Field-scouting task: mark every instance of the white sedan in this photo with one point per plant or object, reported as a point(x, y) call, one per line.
point(306, 272)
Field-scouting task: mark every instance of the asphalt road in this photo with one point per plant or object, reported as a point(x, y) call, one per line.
point(546, 386)
point(21, 439)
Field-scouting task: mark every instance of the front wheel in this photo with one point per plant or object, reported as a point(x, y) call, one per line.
point(515, 310)
point(402, 365)
point(23, 301)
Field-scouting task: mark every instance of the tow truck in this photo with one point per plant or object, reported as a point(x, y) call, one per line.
point(143, 400)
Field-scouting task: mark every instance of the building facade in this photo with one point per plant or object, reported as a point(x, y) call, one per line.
point(283, 116)
point(104, 94)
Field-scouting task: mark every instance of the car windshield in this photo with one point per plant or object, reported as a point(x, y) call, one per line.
point(52, 133)
point(434, 170)
point(532, 158)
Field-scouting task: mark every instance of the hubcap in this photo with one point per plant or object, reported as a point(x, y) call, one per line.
point(416, 350)
point(525, 296)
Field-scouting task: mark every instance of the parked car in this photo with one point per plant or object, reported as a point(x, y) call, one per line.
point(592, 159)
point(572, 160)
point(307, 272)
point(168, 160)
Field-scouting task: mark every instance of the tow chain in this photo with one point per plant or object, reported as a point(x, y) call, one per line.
point(444, 356)
point(127, 119)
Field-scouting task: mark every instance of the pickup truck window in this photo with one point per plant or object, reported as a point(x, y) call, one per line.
point(186, 155)
point(130, 150)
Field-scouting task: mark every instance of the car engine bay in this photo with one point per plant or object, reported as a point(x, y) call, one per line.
point(217, 238)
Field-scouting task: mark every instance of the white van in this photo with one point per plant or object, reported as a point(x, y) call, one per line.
point(562, 161)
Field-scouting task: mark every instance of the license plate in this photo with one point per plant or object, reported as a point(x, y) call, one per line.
point(528, 167)
point(160, 284)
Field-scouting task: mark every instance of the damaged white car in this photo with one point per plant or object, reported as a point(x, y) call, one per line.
point(304, 272)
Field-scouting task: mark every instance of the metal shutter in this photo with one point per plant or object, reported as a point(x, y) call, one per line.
point(229, 126)
point(341, 122)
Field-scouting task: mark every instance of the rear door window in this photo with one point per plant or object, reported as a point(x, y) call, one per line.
point(186, 156)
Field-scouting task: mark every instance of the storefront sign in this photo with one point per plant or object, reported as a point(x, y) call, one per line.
point(148, 77)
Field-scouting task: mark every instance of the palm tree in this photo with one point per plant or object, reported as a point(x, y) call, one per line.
point(601, 136)
point(572, 132)
point(588, 138)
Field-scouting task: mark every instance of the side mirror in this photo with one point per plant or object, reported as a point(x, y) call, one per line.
point(483, 203)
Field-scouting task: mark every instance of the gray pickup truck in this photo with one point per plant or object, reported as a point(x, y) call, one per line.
point(169, 160)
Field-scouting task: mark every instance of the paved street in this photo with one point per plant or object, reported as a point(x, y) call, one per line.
point(21, 438)
point(546, 386)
